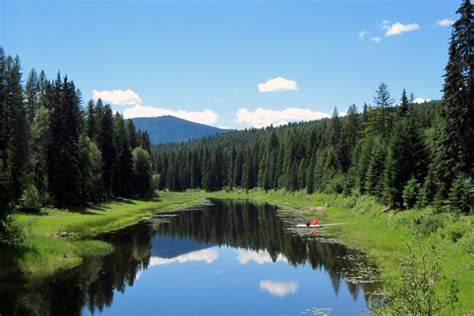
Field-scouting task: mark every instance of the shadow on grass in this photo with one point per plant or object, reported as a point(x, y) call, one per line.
point(84, 210)
point(10, 259)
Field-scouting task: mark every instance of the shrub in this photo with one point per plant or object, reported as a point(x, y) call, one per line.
point(427, 224)
point(461, 195)
point(11, 231)
point(155, 182)
point(455, 231)
point(31, 199)
point(420, 290)
point(411, 192)
point(337, 184)
point(466, 243)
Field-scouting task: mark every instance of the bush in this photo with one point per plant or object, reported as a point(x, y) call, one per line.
point(155, 182)
point(466, 243)
point(427, 224)
point(421, 289)
point(461, 195)
point(411, 192)
point(455, 231)
point(31, 199)
point(11, 231)
point(336, 185)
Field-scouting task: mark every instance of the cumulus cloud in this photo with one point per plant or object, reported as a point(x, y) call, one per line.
point(445, 22)
point(375, 39)
point(135, 107)
point(206, 255)
point(421, 100)
point(362, 34)
point(277, 84)
point(398, 28)
point(204, 117)
point(261, 257)
point(117, 97)
point(277, 288)
point(265, 117)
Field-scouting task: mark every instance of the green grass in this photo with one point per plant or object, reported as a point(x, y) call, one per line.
point(384, 236)
point(45, 251)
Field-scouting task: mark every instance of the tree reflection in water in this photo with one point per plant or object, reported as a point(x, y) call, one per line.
point(237, 224)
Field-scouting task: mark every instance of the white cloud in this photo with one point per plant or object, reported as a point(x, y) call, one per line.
point(130, 98)
point(206, 255)
point(375, 39)
point(277, 288)
point(217, 101)
point(362, 34)
point(398, 28)
point(445, 22)
point(204, 117)
point(117, 97)
point(261, 257)
point(421, 100)
point(265, 117)
point(277, 84)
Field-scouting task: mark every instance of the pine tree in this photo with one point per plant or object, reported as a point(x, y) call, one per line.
point(375, 169)
point(456, 153)
point(32, 93)
point(310, 178)
point(107, 149)
point(403, 109)
point(406, 159)
point(383, 101)
point(123, 168)
point(92, 122)
point(64, 172)
point(382, 97)
point(5, 196)
point(17, 130)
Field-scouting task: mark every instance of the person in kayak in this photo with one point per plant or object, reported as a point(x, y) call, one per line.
point(312, 222)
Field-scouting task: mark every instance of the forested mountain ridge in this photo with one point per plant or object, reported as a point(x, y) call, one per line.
point(170, 129)
point(406, 155)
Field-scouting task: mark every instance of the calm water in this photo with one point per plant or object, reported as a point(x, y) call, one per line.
point(227, 258)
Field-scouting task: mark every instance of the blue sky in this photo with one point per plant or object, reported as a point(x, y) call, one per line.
point(204, 60)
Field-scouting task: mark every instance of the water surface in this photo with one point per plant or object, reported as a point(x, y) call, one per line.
point(225, 258)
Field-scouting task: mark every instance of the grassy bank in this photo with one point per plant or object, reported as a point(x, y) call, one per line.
point(383, 236)
point(57, 239)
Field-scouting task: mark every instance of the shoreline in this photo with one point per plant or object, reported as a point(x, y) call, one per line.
point(382, 236)
point(59, 239)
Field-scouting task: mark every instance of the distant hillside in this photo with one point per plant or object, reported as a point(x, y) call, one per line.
point(170, 129)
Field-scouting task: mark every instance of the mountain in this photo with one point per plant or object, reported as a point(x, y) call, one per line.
point(170, 129)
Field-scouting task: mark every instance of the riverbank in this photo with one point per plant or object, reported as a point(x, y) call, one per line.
point(58, 239)
point(384, 235)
